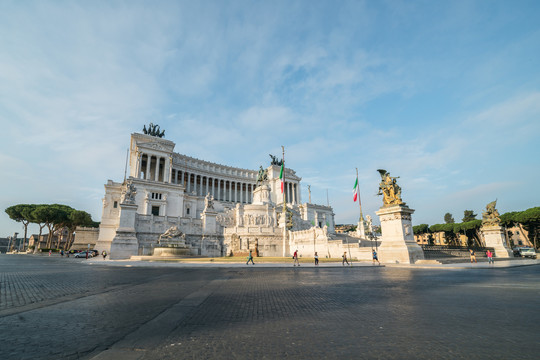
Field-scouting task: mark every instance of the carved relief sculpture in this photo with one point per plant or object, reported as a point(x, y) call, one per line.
point(172, 233)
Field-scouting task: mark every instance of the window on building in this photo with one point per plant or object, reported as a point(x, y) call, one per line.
point(115, 205)
point(157, 196)
point(155, 210)
point(187, 211)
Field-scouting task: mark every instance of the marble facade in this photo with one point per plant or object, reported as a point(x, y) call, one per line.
point(171, 190)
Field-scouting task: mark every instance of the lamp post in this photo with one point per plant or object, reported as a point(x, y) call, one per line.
point(372, 237)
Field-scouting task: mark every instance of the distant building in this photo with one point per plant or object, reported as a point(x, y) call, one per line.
point(4, 243)
point(518, 236)
point(345, 228)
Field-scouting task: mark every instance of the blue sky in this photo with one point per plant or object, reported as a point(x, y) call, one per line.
point(445, 95)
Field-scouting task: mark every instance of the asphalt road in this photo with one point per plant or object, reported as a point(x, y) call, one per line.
point(57, 308)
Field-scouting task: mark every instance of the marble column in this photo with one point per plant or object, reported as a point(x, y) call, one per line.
point(147, 174)
point(156, 173)
point(138, 165)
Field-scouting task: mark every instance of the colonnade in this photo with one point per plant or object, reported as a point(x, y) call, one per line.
point(291, 192)
point(159, 168)
point(153, 167)
point(220, 189)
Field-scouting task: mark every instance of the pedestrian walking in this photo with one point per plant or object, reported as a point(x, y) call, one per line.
point(104, 254)
point(295, 258)
point(489, 256)
point(62, 253)
point(50, 252)
point(316, 259)
point(344, 256)
point(473, 255)
point(375, 258)
point(250, 258)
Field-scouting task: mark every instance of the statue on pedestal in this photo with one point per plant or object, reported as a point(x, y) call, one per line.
point(128, 194)
point(275, 160)
point(491, 216)
point(153, 130)
point(262, 176)
point(208, 202)
point(389, 189)
point(369, 222)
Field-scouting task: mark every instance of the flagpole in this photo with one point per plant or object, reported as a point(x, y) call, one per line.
point(358, 192)
point(284, 211)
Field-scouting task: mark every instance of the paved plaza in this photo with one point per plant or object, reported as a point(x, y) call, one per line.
point(58, 308)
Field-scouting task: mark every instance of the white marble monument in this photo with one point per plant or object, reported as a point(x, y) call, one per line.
point(493, 232)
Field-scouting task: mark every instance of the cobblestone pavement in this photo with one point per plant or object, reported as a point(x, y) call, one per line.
point(53, 308)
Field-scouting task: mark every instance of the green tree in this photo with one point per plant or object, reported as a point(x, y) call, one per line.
point(54, 216)
point(448, 218)
point(420, 229)
point(530, 219)
point(37, 217)
point(77, 218)
point(21, 213)
point(471, 229)
point(448, 229)
point(468, 215)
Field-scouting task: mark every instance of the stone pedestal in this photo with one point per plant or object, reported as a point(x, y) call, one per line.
point(125, 243)
point(261, 195)
point(208, 218)
point(494, 238)
point(398, 245)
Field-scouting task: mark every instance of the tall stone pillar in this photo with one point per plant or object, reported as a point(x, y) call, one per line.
point(494, 237)
point(241, 193)
point(138, 165)
point(125, 243)
point(156, 174)
point(169, 170)
point(398, 245)
point(148, 159)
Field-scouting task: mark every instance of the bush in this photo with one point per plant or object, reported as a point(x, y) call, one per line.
point(47, 250)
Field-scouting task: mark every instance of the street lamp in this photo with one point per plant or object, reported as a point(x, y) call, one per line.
point(372, 237)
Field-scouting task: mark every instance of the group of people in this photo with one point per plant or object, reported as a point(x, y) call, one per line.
point(296, 261)
point(489, 256)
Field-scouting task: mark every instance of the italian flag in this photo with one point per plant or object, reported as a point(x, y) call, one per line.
point(355, 190)
point(281, 176)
